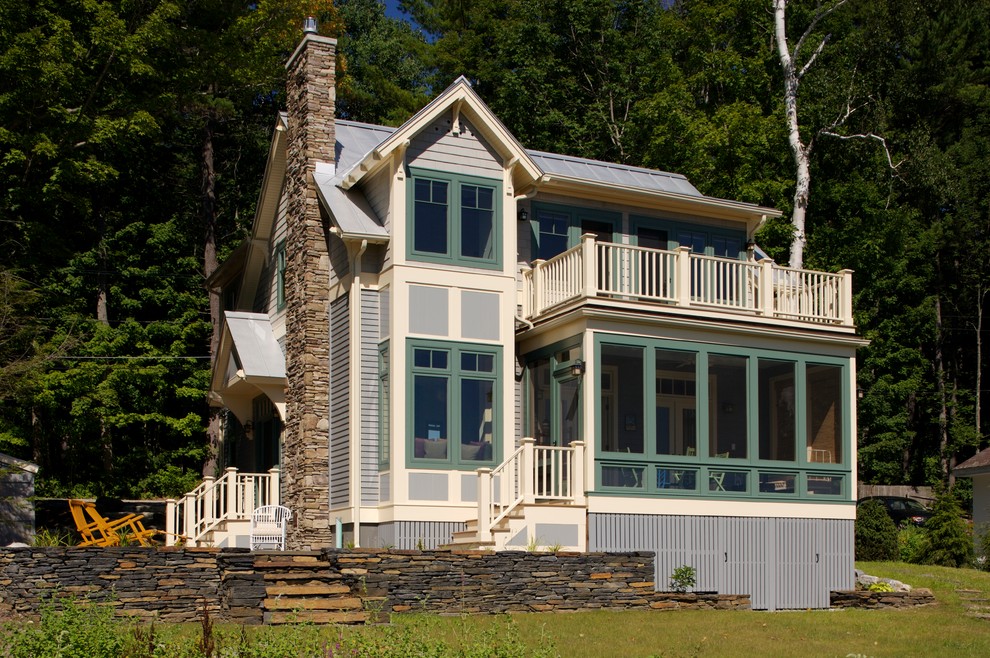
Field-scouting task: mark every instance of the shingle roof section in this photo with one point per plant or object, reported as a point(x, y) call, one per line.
point(978, 462)
point(607, 172)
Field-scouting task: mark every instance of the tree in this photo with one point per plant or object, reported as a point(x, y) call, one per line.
point(876, 534)
point(950, 543)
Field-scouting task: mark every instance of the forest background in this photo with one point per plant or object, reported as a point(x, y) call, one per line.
point(134, 133)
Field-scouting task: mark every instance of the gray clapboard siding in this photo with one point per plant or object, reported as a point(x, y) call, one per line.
point(780, 563)
point(437, 148)
point(340, 461)
point(339, 263)
point(369, 397)
point(519, 393)
point(264, 299)
point(424, 535)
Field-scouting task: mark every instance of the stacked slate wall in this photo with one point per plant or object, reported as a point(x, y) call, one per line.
point(347, 586)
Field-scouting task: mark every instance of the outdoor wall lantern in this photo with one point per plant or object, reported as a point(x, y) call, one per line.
point(523, 215)
point(577, 368)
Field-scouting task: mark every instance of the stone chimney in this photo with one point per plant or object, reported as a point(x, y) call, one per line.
point(310, 102)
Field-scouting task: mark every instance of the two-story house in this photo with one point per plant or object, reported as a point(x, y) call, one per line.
point(440, 336)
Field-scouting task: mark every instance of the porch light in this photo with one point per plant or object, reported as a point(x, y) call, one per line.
point(859, 392)
point(577, 368)
point(523, 215)
point(248, 428)
point(750, 246)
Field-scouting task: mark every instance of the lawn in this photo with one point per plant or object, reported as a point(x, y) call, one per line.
point(949, 628)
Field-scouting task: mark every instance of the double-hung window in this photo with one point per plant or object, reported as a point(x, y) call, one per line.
point(454, 219)
point(454, 397)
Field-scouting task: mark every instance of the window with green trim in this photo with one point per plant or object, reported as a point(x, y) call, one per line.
point(454, 400)
point(675, 416)
point(280, 275)
point(454, 218)
point(558, 228)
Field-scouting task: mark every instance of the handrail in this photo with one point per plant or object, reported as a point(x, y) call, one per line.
point(231, 497)
point(686, 279)
point(529, 474)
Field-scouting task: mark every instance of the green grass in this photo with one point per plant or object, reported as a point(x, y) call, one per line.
point(941, 630)
point(945, 629)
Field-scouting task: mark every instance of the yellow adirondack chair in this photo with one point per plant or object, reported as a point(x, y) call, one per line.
point(101, 531)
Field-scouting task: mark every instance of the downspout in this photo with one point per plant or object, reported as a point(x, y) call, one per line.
point(355, 391)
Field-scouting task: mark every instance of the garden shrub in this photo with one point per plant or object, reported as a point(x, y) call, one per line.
point(949, 541)
point(876, 534)
point(912, 543)
point(68, 629)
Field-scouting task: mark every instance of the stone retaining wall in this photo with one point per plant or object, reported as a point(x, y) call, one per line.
point(867, 599)
point(345, 586)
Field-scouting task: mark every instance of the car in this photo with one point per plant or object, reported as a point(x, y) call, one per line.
point(902, 510)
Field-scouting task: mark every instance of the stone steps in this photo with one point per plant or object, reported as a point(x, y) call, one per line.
point(299, 589)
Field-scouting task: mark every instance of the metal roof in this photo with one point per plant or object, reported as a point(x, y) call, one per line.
point(355, 140)
point(350, 209)
point(257, 349)
point(607, 172)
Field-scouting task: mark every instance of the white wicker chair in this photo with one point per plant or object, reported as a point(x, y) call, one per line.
point(268, 527)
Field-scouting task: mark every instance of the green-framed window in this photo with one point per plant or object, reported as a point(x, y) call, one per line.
point(557, 228)
point(454, 219)
point(453, 404)
point(280, 265)
point(384, 408)
point(676, 417)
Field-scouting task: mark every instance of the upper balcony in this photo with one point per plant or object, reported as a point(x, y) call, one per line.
point(684, 281)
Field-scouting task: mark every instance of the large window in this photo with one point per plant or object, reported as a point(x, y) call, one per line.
point(674, 416)
point(707, 240)
point(454, 402)
point(454, 219)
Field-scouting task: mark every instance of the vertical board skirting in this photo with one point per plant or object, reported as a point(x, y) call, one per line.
point(340, 461)
point(780, 563)
point(369, 396)
point(424, 535)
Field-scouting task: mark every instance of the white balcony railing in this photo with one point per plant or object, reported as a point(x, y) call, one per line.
point(685, 279)
point(231, 497)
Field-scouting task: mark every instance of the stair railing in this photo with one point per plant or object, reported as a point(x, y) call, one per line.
point(531, 473)
point(231, 497)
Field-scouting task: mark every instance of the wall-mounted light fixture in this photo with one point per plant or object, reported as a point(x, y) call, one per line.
point(523, 215)
point(577, 368)
point(248, 428)
point(750, 246)
point(860, 392)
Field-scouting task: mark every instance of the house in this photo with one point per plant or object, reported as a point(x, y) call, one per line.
point(507, 348)
point(977, 467)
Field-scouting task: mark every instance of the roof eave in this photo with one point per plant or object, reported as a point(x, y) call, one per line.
point(724, 207)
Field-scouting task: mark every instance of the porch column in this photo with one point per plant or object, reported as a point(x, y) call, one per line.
point(171, 527)
point(683, 282)
point(766, 287)
point(538, 287)
point(527, 464)
point(589, 261)
point(273, 487)
point(484, 504)
point(846, 297)
point(577, 473)
point(234, 507)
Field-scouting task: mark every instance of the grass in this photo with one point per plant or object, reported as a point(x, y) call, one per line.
point(945, 629)
point(941, 630)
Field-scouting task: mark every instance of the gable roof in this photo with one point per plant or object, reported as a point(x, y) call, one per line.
point(975, 465)
point(461, 99)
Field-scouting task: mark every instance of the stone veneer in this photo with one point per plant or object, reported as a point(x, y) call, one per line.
point(344, 586)
point(310, 100)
